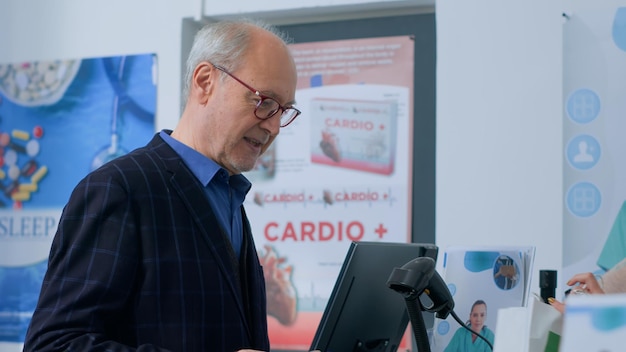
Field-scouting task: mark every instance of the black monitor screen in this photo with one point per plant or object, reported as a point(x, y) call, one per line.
point(363, 313)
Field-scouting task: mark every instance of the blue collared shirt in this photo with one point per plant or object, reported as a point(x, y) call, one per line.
point(220, 188)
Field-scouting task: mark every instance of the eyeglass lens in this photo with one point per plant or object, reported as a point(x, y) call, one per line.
point(268, 107)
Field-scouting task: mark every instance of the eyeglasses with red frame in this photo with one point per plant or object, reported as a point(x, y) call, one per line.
point(267, 106)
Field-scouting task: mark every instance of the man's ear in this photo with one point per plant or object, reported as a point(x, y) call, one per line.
point(202, 81)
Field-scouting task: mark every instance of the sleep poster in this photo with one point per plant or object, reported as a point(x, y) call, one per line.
point(341, 172)
point(59, 119)
point(594, 174)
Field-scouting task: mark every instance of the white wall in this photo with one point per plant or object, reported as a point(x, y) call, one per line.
point(499, 125)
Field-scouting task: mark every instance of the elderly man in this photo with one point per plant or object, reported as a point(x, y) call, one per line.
point(154, 251)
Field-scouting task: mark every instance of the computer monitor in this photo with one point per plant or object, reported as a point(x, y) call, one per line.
point(363, 313)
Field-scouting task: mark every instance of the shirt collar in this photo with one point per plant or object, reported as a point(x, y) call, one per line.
point(202, 167)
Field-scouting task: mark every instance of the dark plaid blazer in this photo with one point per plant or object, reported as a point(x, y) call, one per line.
point(139, 262)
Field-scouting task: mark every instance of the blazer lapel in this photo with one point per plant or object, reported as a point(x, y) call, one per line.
point(200, 209)
point(192, 194)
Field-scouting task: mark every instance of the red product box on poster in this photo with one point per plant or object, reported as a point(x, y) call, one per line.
point(354, 134)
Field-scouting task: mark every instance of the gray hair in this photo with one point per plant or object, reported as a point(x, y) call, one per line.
point(224, 43)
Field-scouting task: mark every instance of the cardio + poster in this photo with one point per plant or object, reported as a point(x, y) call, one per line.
point(341, 172)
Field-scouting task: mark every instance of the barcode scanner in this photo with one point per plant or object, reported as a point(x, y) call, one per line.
point(419, 278)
